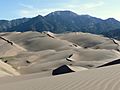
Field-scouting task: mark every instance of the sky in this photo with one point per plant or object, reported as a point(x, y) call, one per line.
point(12, 9)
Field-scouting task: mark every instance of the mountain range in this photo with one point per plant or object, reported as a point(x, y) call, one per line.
point(64, 21)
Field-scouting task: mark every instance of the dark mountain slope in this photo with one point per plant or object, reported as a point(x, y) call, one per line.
point(5, 25)
point(35, 24)
point(63, 21)
point(113, 34)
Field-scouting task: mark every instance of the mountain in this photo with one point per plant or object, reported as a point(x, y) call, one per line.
point(63, 21)
point(37, 23)
point(112, 24)
point(113, 34)
point(60, 22)
point(69, 21)
point(5, 25)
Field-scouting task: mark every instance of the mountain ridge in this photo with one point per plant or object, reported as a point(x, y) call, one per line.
point(61, 22)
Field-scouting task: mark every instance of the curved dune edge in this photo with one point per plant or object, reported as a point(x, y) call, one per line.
point(67, 69)
point(8, 69)
point(96, 79)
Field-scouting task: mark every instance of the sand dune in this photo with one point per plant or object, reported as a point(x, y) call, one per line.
point(97, 79)
point(8, 49)
point(83, 39)
point(28, 40)
point(67, 69)
point(44, 53)
point(11, 79)
point(8, 69)
point(33, 59)
point(49, 60)
point(87, 40)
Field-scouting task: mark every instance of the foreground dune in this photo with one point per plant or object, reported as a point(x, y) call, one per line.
point(97, 79)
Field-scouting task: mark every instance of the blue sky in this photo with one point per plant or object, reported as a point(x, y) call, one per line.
point(11, 9)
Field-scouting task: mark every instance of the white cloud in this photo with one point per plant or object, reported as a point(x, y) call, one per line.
point(27, 11)
point(35, 11)
point(85, 6)
point(30, 11)
point(26, 6)
point(93, 5)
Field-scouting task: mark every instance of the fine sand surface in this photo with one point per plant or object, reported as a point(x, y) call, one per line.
point(96, 79)
point(48, 61)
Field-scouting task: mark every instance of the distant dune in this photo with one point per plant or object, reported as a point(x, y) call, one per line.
point(68, 61)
